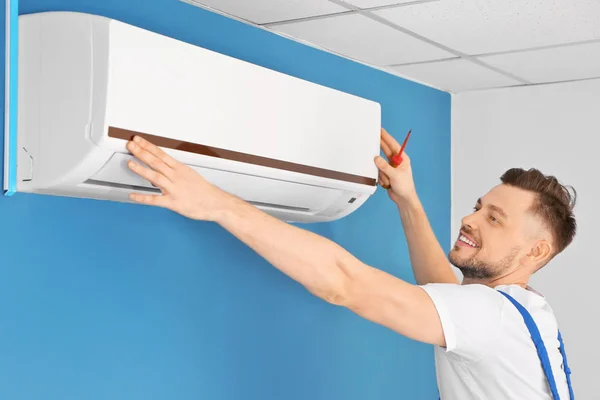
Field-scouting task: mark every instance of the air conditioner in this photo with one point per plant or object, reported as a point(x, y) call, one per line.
point(300, 151)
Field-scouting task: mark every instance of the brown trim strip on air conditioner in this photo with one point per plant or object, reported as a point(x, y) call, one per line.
point(119, 133)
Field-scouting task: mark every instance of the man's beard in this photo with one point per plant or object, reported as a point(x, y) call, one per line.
point(472, 268)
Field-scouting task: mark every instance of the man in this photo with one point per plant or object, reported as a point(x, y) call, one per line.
point(483, 347)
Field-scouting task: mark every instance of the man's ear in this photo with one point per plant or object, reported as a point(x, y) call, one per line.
point(539, 254)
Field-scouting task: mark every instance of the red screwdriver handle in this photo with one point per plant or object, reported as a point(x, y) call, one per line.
point(396, 159)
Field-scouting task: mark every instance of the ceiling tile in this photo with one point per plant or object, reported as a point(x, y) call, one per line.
point(488, 26)
point(376, 3)
point(268, 11)
point(455, 75)
point(551, 65)
point(363, 39)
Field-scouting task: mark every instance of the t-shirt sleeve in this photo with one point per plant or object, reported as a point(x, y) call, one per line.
point(471, 317)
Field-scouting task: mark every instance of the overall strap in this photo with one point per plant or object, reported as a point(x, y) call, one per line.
point(538, 342)
point(566, 366)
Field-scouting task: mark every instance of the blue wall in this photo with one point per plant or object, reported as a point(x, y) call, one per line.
point(101, 300)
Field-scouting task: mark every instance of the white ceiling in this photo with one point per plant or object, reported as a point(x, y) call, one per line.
point(454, 45)
point(354, 35)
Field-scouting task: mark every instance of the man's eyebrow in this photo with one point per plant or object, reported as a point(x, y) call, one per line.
point(493, 207)
point(498, 210)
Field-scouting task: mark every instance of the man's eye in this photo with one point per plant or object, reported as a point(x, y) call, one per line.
point(493, 219)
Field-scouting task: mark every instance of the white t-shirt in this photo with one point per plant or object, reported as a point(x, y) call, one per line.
point(489, 353)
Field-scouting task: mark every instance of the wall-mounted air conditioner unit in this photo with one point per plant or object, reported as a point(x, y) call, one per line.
point(299, 151)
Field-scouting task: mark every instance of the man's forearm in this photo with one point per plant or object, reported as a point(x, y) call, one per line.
point(427, 257)
point(322, 266)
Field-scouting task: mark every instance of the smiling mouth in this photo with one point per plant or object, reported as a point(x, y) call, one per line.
point(465, 241)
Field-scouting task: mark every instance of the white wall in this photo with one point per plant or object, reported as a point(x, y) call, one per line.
point(555, 128)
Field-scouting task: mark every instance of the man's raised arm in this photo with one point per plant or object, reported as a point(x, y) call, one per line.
point(323, 267)
point(429, 263)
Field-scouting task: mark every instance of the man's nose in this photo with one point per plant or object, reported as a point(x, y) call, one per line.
point(469, 223)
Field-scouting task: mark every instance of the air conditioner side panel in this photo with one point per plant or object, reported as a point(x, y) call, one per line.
point(30, 64)
point(55, 101)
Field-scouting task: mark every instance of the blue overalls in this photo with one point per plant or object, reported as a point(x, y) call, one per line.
point(541, 349)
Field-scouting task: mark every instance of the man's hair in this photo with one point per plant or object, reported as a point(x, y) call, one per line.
point(554, 203)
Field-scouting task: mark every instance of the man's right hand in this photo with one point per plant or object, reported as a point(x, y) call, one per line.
point(399, 178)
point(427, 257)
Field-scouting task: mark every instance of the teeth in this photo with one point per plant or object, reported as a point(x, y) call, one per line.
point(467, 241)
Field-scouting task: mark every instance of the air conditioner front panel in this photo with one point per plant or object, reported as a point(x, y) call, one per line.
point(171, 89)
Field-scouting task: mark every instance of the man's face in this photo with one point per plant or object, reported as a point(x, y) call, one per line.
point(497, 235)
